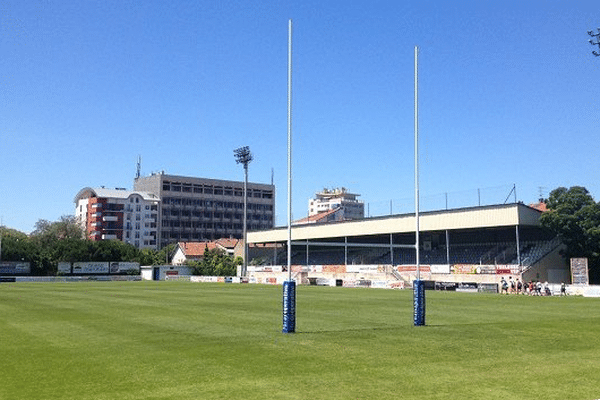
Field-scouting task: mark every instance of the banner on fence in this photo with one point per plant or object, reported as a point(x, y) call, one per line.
point(14, 268)
point(64, 268)
point(464, 269)
point(440, 269)
point(90, 267)
point(124, 267)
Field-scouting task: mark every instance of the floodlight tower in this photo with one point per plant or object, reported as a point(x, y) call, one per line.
point(597, 42)
point(244, 156)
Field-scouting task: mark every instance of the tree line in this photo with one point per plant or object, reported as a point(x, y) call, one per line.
point(64, 240)
point(574, 216)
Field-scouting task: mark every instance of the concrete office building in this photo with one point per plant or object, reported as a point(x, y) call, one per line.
point(200, 209)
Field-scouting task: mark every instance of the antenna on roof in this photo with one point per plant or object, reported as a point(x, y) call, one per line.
point(541, 193)
point(138, 167)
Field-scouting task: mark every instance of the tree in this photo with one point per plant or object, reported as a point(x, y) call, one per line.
point(66, 227)
point(112, 250)
point(215, 262)
point(164, 255)
point(148, 257)
point(575, 217)
point(48, 240)
point(15, 245)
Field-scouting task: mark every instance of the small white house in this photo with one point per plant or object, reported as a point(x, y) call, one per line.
point(194, 251)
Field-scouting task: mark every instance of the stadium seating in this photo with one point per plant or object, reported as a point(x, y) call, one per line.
point(496, 253)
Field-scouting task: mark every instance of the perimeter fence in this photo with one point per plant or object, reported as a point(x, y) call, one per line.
point(76, 278)
point(443, 201)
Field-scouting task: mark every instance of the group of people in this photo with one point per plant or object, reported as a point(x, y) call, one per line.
point(531, 288)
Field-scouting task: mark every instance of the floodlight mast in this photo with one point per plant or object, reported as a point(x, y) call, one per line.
point(244, 156)
point(597, 42)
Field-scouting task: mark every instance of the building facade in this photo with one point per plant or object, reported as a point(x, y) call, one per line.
point(201, 209)
point(327, 200)
point(129, 216)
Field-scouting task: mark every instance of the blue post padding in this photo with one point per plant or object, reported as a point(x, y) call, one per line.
point(289, 307)
point(419, 300)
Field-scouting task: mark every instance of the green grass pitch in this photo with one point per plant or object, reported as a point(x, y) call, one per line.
point(180, 340)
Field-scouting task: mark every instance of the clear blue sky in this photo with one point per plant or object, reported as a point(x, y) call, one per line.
point(509, 94)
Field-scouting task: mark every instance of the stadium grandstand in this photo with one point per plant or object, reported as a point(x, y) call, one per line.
point(477, 245)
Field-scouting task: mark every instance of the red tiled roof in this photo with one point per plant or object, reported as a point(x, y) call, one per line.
point(195, 249)
point(227, 243)
point(541, 206)
point(317, 217)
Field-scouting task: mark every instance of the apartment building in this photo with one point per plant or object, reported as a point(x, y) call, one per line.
point(327, 200)
point(201, 209)
point(129, 216)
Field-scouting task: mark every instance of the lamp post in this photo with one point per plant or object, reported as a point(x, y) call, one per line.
point(244, 156)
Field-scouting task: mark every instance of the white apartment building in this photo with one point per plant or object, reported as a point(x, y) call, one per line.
point(129, 216)
point(337, 198)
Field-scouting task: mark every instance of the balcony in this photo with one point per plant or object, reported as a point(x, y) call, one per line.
point(108, 237)
point(110, 218)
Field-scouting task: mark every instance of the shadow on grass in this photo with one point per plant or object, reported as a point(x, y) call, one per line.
point(380, 329)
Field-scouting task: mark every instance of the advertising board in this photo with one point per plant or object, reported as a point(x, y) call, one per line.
point(91, 267)
point(464, 269)
point(14, 268)
point(440, 269)
point(64, 268)
point(467, 287)
point(123, 267)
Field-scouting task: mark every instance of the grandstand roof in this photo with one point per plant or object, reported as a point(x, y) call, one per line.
point(504, 215)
